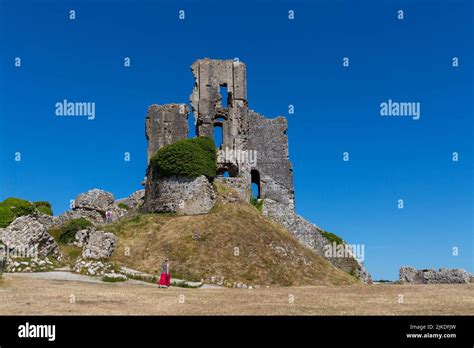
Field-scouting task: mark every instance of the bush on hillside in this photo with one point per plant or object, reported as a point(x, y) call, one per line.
point(6, 216)
point(43, 207)
point(67, 232)
point(188, 157)
point(18, 206)
point(122, 205)
point(42, 203)
point(332, 238)
point(257, 203)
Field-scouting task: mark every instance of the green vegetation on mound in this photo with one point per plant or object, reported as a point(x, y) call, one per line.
point(18, 206)
point(66, 233)
point(44, 207)
point(331, 237)
point(6, 216)
point(233, 240)
point(122, 205)
point(12, 207)
point(188, 157)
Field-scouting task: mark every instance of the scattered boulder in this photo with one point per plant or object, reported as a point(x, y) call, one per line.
point(26, 234)
point(181, 195)
point(92, 205)
point(93, 216)
point(100, 245)
point(82, 237)
point(46, 220)
point(95, 199)
point(431, 276)
point(93, 267)
point(17, 265)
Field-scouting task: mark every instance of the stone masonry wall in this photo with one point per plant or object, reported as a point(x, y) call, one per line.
point(268, 137)
point(164, 125)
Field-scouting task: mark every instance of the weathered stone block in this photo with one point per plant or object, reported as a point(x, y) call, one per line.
point(100, 245)
point(27, 235)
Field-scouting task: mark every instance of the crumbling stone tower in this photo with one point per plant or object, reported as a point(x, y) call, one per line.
point(254, 148)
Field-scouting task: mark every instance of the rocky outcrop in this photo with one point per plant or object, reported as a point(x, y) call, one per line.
point(95, 199)
point(100, 245)
point(27, 235)
point(92, 205)
point(431, 276)
point(92, 215)
point(82, 237)
point(310, 235)
point(183, 196)
point(134, 201)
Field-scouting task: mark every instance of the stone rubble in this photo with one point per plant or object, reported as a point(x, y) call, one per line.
point(431, 276)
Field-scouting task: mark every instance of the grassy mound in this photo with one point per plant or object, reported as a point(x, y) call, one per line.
point(187, 157)
point(233, 240)
point(44, 207)
point(6, 216)
point(12, 207)
point(19, 206)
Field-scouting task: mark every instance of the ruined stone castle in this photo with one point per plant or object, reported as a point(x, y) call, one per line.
point(254, 148)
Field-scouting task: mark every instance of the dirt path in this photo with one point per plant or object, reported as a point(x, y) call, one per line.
point(67, 276)
point(27, 295)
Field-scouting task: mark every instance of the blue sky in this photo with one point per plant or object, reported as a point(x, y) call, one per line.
point(296, 62)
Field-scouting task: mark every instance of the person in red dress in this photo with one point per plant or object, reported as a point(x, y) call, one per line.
point(165, 278)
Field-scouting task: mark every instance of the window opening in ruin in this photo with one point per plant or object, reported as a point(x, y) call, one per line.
point(224, 95)
point(256, 187)
point(218, 135)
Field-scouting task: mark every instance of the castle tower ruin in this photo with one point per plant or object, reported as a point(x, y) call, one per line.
point(254, 148)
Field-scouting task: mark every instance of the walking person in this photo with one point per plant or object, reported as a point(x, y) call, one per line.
point(165, 278)
point(108, 217)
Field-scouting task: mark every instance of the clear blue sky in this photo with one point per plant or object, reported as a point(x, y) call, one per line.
point(295, 62)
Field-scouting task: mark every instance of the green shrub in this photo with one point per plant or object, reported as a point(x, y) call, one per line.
point(42, 203)
point(111, 279)
point(257, 203)
point(6, 216)
point(44, 207)
point(18, 206)
point(67, 232)
point(123, 206)
point(331, 237)
point(45, 210)
point(188, 157)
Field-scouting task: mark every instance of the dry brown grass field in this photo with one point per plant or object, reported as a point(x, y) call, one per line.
point(24, 296)
point(200, 246)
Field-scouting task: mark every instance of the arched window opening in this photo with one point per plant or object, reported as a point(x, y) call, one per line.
point(256, 186)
